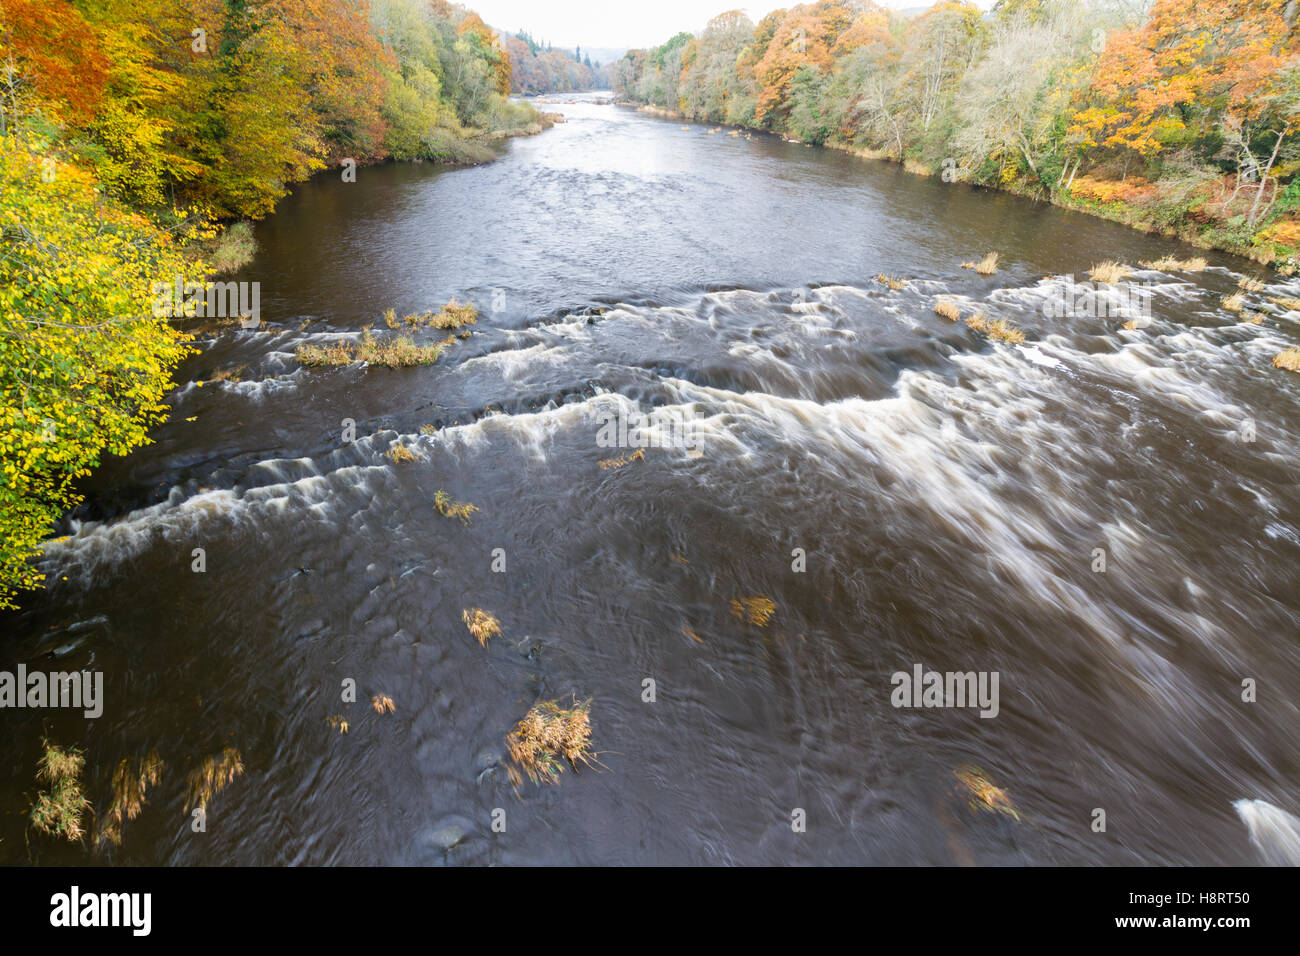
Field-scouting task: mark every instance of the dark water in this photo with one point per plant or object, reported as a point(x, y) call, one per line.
point(948, 492)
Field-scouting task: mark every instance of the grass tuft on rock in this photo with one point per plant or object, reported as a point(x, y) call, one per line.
point(481, 624)
point(1289, 360)
point(211, 776)
point(548, 737)
point(996, 329)
point(948, 309)
point(1174, 264)
point(1109, 272)
point(399, 352)
point(449, 507)
point(986, 266)
point(982, 795)
point(131, 780)
point(756, 610)
point(59, 810)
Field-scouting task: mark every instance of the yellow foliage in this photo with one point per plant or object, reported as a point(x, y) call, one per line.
point(84, 364)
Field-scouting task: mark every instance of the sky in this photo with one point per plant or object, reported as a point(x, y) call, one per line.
point(622, 23)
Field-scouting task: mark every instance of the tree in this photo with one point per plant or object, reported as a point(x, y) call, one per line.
point(84, 365)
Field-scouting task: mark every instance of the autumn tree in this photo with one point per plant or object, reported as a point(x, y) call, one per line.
point(806, 36)
point(710, 82)
point(1199, 68)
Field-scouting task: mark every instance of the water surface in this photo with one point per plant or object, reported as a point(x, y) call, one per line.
point(949, 493)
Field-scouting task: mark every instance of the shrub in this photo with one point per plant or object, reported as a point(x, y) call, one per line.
point(233, 248)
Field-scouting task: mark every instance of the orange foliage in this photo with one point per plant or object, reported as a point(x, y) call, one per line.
point(1189, 52)
point(58, 51)
point(805, 36)
point(1134, 189)
point(473, 23)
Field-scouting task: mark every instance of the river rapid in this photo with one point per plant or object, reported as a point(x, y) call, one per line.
point(1104, 517)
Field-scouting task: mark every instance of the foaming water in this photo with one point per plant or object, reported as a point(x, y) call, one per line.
point(1105, 515)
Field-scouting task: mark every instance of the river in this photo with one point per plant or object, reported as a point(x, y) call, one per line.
point(904, 490)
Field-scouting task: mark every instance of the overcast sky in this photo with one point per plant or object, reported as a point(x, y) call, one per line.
point(622, 23)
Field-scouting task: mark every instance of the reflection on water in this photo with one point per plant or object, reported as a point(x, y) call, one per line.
point(1104, 517)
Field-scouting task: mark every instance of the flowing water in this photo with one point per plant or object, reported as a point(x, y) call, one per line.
point(949, 495)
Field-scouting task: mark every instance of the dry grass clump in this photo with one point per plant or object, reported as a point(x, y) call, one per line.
point(449, 507)
point(981, 794)
point(228, 374)
point(211, 776)
point(1234, 302)
point(1289, 360)
point(892, 282)
point(1174, 264)
point(337, 722)
point(1289, 305)
point(986, 266)
point(130, 781)
point(755, 610)
point(481, 624)
point(948, 309)
point(549, 735)
point(996, 329)
point(1109, 271)
point(59, 810)
point(1250, 284)
point(454, 315)
point(400, 455)
point(400, 352)
point(608, 463)
point(382, 704)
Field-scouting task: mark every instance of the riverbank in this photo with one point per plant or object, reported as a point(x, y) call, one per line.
point(1280, 248)
point(1125, 115)
point(233, 246)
